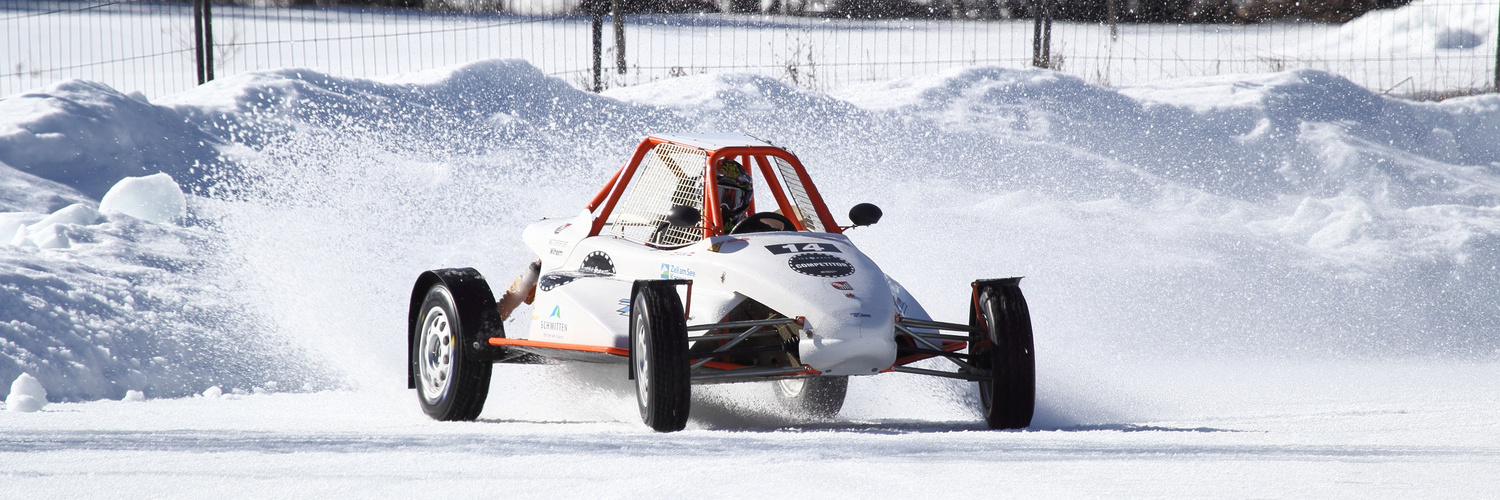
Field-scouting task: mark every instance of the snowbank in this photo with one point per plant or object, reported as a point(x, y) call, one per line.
point(97, 306)
point(87, 136)
point(1285, 214)
point(1422, 28)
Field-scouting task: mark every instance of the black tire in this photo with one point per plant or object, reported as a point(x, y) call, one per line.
point(817, 397)
point(1009, 400)
point(658, 353)
point(452, 383)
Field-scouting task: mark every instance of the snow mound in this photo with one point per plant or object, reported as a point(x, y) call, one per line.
point(155, 198)
point(26, 394)
point(97, 307)
point(23, 192)
point(87, 136)
point(1420, 28)
point(55, 230)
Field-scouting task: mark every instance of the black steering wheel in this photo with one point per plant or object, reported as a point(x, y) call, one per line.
point(763, 222)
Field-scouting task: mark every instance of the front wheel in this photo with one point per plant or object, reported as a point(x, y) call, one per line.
point(1008, 399)
point(817, 397)
point(658, 352)
point(451, 383)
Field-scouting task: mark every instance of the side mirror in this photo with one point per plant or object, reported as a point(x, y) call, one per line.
point(864, 214)
point(684, 216)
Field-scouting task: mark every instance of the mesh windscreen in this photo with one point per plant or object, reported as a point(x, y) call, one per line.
point(669, 175)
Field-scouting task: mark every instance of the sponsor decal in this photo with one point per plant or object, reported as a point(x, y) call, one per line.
point(550, 281)
point(558, 325)
point(598, 263)
point(821, 265)
point(624, 309)
point(859, 315)
point(803, 247)
point(671, 272)
point(555, 251)
point(558, 243)
point(561, 228)
point(900, 306)
point(842, 285)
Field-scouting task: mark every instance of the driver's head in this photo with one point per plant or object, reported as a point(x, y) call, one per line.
point(735, 190)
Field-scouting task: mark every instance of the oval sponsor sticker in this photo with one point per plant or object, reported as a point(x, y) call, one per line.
point(821, 265)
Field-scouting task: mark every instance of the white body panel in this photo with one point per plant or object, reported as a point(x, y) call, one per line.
point(848, 302)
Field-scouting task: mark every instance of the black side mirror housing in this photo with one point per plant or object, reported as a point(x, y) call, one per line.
point(864, 214)
point(684, 216)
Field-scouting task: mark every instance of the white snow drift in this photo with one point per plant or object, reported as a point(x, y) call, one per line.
point(1279, 214)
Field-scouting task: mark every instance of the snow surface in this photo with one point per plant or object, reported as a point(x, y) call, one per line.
point(1271, 285)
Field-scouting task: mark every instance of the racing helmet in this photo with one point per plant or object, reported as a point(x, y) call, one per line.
point(735, 190)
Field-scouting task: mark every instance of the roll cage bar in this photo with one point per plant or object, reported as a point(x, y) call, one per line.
point(713, 220)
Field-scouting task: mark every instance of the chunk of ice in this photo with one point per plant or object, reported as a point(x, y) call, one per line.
point(156, 198)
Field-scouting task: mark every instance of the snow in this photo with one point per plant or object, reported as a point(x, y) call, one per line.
point(155, 198)
point(26, 395)
point(1271, 285)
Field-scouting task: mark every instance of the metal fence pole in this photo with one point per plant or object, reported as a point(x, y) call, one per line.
point(198, 39)
point(208, 39)
point(1114, 19)
point(619, 14)
point(1036, 34)
point(1047, 34)
point(1041, 34)
point(596, 12)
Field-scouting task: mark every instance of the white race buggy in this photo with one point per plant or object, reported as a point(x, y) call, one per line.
point(648, 275)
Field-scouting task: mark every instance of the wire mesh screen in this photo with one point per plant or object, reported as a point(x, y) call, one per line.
point(798, 195)
point(149, 47)
point(669, 175)
point(1425, 48)
point(132, 46)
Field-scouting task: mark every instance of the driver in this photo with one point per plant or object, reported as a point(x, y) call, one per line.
point(735, 190)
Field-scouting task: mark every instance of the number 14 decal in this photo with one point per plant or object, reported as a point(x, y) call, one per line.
point(802, 247)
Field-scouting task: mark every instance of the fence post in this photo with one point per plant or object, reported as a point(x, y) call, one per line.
point(203, 39)
point(619, 14)
point(596, 13)
point(1041, 34)
point(208, 39)
point(1114, 19)
point(198, 39)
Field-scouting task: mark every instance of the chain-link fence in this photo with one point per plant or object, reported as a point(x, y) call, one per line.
point(1427, 48)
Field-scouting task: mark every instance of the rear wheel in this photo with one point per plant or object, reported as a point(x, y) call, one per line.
point(1009, 398)
point(451, 383)
point(818, 397)
point(658, 351)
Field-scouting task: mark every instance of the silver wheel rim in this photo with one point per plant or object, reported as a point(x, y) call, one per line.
point(641, 355)
point(436, 363)
point(791, 387)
